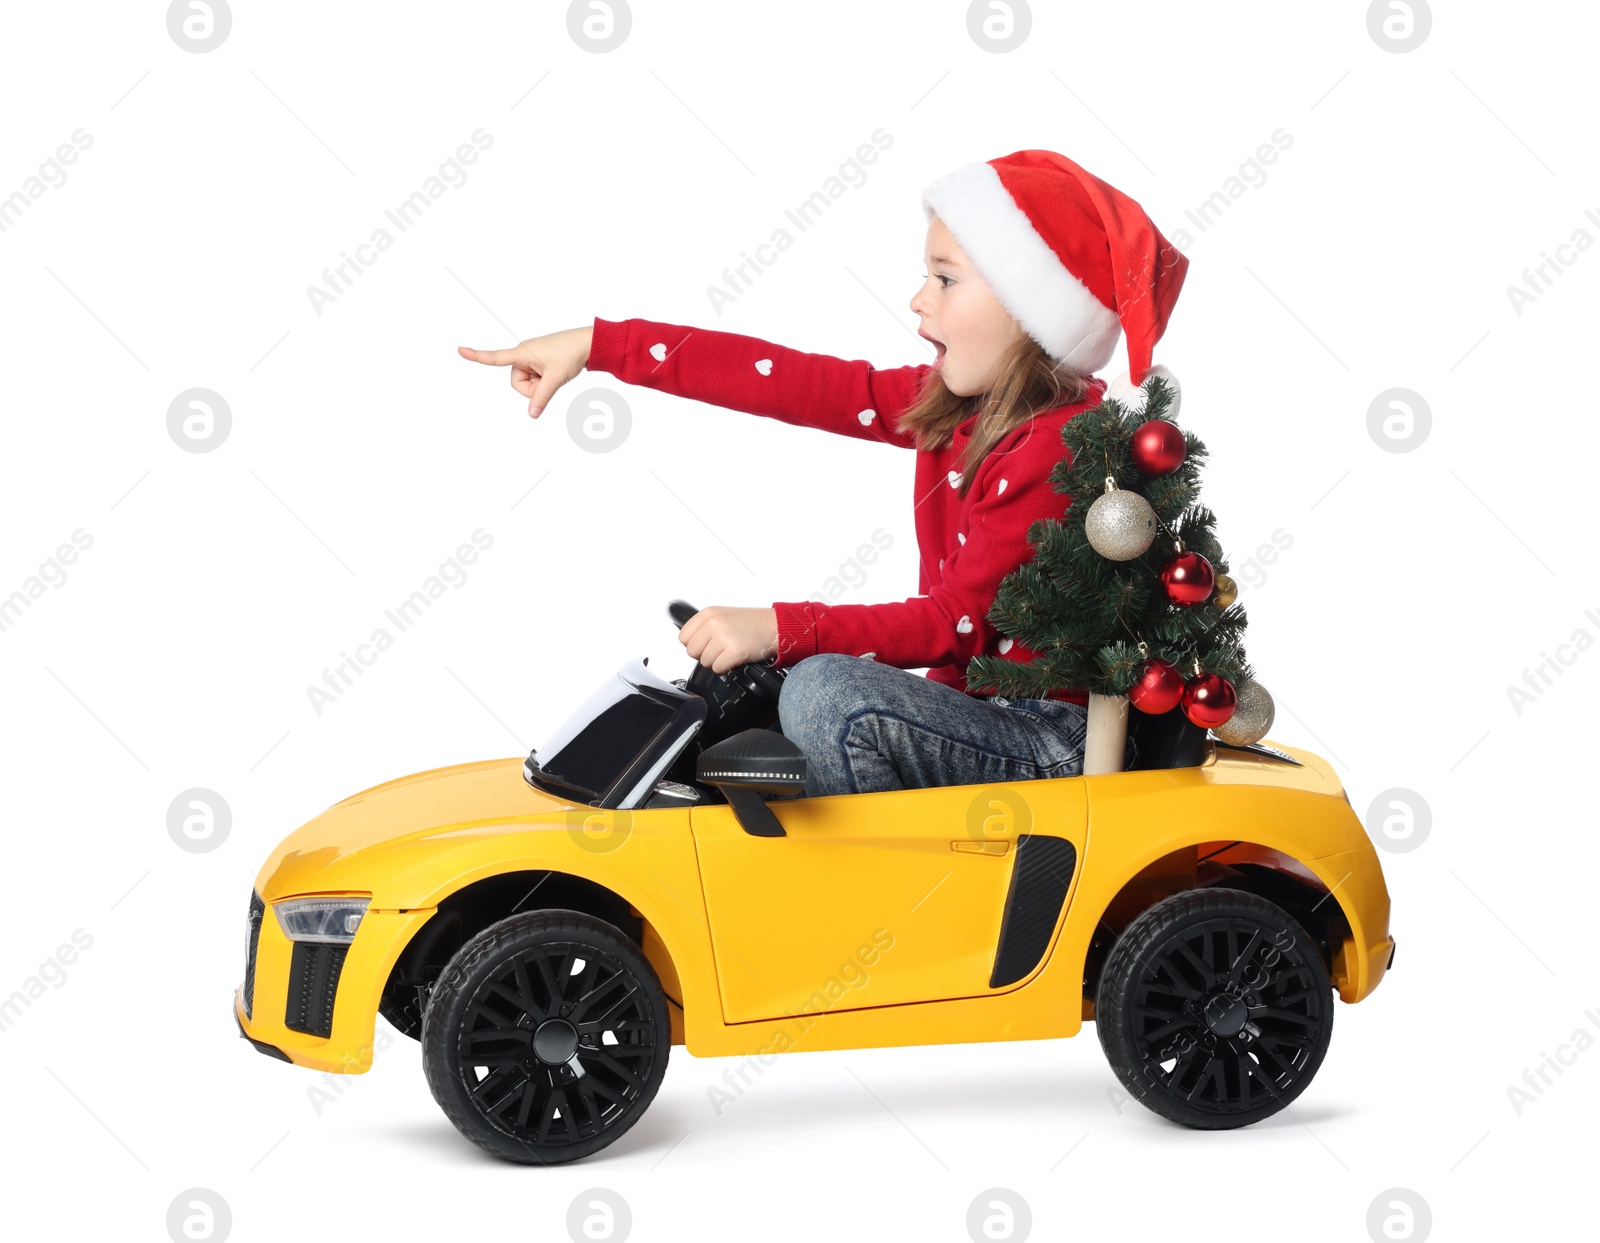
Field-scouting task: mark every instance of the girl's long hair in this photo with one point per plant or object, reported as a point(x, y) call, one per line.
point(1030, 381)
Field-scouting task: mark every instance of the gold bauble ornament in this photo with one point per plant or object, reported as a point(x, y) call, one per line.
point(1120, 525)
point(1226, 591)
point(1252, 716)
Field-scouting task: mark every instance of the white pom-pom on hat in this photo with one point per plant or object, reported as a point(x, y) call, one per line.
point(1133, 399)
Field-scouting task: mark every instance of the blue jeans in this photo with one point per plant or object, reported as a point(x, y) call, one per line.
point(865, 726)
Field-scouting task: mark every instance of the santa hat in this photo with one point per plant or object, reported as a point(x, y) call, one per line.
point(1074, 260)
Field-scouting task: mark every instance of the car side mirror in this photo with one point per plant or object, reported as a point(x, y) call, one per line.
point(748, 765)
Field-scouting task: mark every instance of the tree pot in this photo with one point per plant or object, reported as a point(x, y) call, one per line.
point(1105, 742)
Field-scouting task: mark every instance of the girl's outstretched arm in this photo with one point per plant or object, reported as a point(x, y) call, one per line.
point(850, 398)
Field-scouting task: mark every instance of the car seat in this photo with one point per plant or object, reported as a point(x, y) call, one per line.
point(1166, 740)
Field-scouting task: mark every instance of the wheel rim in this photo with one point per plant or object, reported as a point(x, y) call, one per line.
point(557, 1044)
point(1228, 1016)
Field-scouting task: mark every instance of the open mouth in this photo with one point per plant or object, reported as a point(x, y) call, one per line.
point(938, 346)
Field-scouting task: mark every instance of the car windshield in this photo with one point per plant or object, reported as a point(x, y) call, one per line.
point(609, 736)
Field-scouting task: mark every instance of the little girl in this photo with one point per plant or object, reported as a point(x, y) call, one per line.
point(1034, 269)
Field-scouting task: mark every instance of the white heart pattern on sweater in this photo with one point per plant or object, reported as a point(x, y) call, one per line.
point(955, 478)
point(1001, 488)
point(964, 626)
point(764, 366)
point(1005, 646)
point(961, 538)
point(658, 351)
point(866, 417)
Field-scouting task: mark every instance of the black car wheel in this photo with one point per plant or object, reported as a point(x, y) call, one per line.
point(546, 1037)
point(1215, 1008)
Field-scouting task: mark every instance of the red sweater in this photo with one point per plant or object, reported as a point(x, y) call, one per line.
point(967, 544)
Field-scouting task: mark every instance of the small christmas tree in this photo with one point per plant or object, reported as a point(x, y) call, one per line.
point(1129, 593)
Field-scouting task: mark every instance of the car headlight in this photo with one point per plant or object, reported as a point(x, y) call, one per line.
point(327, 921)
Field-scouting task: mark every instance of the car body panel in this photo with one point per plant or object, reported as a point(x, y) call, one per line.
point(921, 875)
point(800, 910)
point(322, 854)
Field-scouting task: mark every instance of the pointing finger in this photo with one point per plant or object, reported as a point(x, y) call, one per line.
point(493, 358)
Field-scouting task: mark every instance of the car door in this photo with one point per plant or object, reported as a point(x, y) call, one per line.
point(880, 899)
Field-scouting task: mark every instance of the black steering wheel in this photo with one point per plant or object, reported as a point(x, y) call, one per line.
point(756, 675)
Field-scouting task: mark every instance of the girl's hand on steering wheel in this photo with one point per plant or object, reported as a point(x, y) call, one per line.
point(539, 365)
point(723, 638)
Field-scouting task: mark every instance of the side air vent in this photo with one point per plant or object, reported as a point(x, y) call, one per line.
point(1040, 878)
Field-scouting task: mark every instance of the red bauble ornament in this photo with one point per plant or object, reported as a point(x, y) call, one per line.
point(1157, 447)
point(1188, 578)
point(1158, 689)
point(1209, 700)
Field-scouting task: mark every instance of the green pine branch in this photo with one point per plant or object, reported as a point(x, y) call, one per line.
point(1086, 616)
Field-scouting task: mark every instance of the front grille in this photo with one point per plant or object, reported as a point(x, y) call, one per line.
point(258, 909)
point(313, 982)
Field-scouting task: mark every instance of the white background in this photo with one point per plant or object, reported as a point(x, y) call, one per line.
point(177, 653)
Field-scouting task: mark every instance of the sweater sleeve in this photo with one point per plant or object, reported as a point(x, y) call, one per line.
point(755, 376)
point(949, 625)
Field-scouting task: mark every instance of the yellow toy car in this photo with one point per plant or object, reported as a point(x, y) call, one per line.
point(549, 928)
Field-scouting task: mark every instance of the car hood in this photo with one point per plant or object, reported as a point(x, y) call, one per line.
point(461, 795)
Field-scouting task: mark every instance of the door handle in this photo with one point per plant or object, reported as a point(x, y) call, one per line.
point(968, 846)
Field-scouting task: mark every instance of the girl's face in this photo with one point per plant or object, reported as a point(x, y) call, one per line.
point(961, 316)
